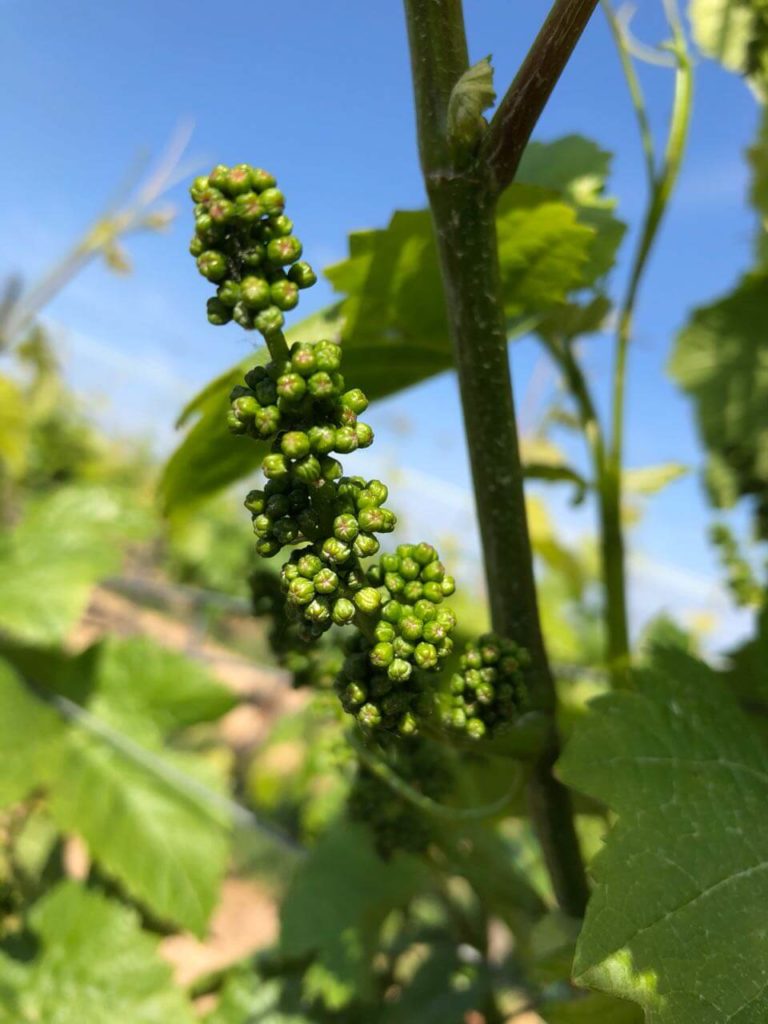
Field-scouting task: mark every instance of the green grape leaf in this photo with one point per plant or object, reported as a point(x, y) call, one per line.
point(676, 921)
point(92, 965)
point(472, 94)
point(758, 158)
point(593, 1008)
point(14, 428)
point(30, 734)
point(334, 909)
point(721, 360)
point(65, 543)
point(248, 999)
point(734, 32)
point(647, 480)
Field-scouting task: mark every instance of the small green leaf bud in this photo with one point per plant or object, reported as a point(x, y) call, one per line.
point(424, 610)
point(218, 176)
point(303, 359)
point(330, 469)
point(254, 292)
point(242, 316)
point(267, 420)
point(343, 611)
point(448, 586)
point(252, 257)
point(218, 314)
point(392, 611)
point(412, 591)
point(433, 592)
point(409, 568)
point(248, 208)
point(318, 610)
point(390, 562)
point(394, 582)
point(374, 520)
point(433, 572)
point(368, 600)
point(228, 292)
point(354, 695)
point(196, 246)
point(302, 274)
point(279, 225)
point(294, 444)
point(267, 547)
point(221, 211)
point(408, 725)
point(199, 187)
point(434, 632)
point(262, 525)
point(212, 264)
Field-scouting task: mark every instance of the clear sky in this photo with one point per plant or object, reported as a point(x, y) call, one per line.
point(321, 94)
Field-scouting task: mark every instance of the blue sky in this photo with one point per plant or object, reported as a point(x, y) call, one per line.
point(321, 94)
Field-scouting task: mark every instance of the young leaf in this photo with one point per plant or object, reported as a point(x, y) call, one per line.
point(50, 561)
point(472, 94)
point(647, 480)
point(676, 921)
point(92, 964)
point(730, 31)
point(721, 360)
point(334, 909)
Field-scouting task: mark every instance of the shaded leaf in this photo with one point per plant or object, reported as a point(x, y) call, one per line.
point(676, 920)
point(721, 360)
point(93, 964)
point(29, 738)
point(335, 907)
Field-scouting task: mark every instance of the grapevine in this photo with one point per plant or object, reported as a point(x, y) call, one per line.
point(299, 403)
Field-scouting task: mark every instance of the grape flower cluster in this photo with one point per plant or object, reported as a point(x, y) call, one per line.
point(299, 404)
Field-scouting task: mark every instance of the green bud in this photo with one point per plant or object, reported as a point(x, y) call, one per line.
point(228, 292)
point(326, 581)
point(242, 316)
point(456, 683)
point(384, 631)
point(321, 439)
point(412, 591)
point(303, 359)
point(378, 491)
point(485, 693)
point(301, 591)
point(343, 611)
point(196, 246)
point(261, 179)
point(472, 658)
point(309, 565)
point(238, 180)
point(269, 320)
point(302, 274)
point(345, 527)
point(254, 292)
point(354, 695)
point(364, 435)
point(375, 520)
point(424, 554)
point(248, 208)
point(365, 545)
point(368, 599)
point(318, 610)
point(245, 408)
point(294, 444)
point(434, 632)
point(262, 525)
point(218, 176)
point(267, 547)
point(291, 386)
point(399, 671)
point(433, 592)
point(199, 187)
point(320, 385)
point(274, 466)
point(234, 424)
point(410, 628)
point(355, 400)
point(424, 610)
point(409, 568)
point(272, 199)
point(267, 420)
point(278, 506)
point(335, 551)
point(266, 392)
point(475, 728)
point(448, 586)
point(328, 356)
point(390, 562)
point(255, 502)
point(433, 572)
point(425, 655)
point(221, 211)
point(286, 530)
point(306, 469)
point(213, 265)
point(279, 225)
point(285, 294)
point(394, 582)
point(382, 655)
point(330, 469)
point(345, 440)
point(218, 314)
point(392, 611)
point(403, 649)
point(369, 716)
point(252, 257)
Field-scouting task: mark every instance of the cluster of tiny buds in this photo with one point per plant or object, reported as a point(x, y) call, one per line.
point(244, 244)
point(489, 689)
